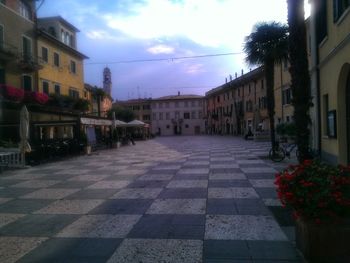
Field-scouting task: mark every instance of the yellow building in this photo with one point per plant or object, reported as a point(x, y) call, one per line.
point(330, 41)
point(63, 71)
point(18, 58)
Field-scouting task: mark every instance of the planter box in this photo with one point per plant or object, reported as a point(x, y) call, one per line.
point(323, 243)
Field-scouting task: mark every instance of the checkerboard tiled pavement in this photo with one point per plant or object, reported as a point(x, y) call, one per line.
point(174, 199)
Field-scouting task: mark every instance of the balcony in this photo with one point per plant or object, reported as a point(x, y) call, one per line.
point(7, 52)
point(30, 63)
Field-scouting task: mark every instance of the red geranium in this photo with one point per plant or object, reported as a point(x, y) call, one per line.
point(315, 190)
point(36, 97)
point(11, 93)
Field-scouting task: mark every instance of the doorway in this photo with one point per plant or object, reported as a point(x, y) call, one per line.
point(347, 102)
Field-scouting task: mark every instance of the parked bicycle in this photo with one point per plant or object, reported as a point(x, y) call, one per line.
point(282, 151)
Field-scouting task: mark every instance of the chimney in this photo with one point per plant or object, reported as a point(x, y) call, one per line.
point(242, 72)
point(235, 74)
point(178, 93)
point(225, 80)
point(230, 77)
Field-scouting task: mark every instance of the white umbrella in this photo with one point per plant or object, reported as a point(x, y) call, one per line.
point(24, 131)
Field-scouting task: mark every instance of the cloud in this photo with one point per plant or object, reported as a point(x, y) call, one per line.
point(103, 35)
point(194, 69)
point(211, 23)
point(161, 49)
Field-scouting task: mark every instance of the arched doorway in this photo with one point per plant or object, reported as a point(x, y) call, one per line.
point(347, 102)
point(343, 115)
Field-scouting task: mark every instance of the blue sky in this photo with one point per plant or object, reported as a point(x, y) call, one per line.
point(124, 30)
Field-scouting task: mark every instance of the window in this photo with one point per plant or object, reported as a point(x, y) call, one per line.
point(73, 93)
point(239, 92)
point(218, 99)
point(52, 31)
point(325, 113)
point(45, 87)
point(321, 21)
point(249, 89)
point(168, 126)
point(193, 115)
point(186, 104)
point(339, 7)
point(262, 84)
point(146, 107)
point(45, 54)
point(200, 103)
point(160, 116)
point(57, 88)
point(167, 116)
point(177, 114)
point(199, 115)
point(27, 48)
point(186, 115)
point(193, 103)
point(146, 117)
point(154, 117)
point(56, 59)
point(62, 35)
point(27, 82)
point(176, 104)
point(136, 107)
point(1, 36)
point(287, 96)
point(73, 67)
point(186, 126)
point(24, 10)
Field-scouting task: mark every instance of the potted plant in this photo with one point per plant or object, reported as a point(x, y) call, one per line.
point(319, 195)
point(85, 143)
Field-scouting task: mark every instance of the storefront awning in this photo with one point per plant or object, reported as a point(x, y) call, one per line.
point(90, 121)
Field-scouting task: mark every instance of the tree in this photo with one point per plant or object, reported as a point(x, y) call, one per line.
point(266, 46)
point(300, 75)
point(98, 94)
point(121, 113)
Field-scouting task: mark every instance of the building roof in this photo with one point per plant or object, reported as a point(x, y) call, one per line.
point(180, 97)
point(46, 35)
point(60, 19)
point(258, 72)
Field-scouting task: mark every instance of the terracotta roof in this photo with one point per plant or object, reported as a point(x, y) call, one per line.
point(180, 97)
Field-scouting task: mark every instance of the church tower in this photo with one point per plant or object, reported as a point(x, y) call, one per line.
point(107, 81)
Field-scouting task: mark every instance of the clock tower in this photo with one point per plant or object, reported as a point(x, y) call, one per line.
point(107, 81)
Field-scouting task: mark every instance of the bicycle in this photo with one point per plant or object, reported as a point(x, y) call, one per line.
point(281, 152)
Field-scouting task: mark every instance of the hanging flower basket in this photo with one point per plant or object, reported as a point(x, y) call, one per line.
point(11, 93)
point(36, 97)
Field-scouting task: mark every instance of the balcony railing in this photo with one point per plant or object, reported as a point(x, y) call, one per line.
point(30, 63)
point(7, 51)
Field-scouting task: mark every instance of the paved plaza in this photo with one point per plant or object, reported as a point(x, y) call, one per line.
point(170, 199)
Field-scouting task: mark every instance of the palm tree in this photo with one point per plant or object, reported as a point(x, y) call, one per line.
point(299, 75)
point(266, 46)
point(99, 94)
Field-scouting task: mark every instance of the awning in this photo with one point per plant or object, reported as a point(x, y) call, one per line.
point(90, 121)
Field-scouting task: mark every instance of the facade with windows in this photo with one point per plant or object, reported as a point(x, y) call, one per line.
point(18, 50)
point(238, 106)
point(62, 72)
point(178, 115)
point(140, 107)
point(330, 76)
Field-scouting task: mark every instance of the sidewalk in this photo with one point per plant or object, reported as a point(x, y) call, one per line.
point(171, 199)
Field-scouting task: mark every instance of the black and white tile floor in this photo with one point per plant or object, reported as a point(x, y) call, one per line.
point(171, 199)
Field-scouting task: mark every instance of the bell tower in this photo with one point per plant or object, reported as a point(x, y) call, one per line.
point(107, 81)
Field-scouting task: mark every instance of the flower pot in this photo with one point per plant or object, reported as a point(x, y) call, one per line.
point(88, 149)
point(323, 243)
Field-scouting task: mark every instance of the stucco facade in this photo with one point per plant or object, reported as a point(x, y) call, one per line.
point(62, 71)
point(178, 115)
point(331, 76)
point(18, 57)
point(140, 107)
point(238, 105)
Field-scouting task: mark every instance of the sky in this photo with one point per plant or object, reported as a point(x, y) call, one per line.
point(116, 33)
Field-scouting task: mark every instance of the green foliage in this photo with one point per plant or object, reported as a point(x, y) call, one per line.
point(8, 144)
point(67, 102)
point(122, 114)
point(286, 129)
point(315, 190)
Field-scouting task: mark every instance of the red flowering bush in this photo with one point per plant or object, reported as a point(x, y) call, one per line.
point(315, 190)
point(11, 93)
point(36, 97)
